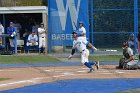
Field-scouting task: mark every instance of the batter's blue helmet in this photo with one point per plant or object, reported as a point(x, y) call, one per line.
point(74, 32)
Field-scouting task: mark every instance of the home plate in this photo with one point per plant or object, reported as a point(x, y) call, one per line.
point(85, 68)
point(120, 72)
point(82, 71)
point(68, 73)
point(47, 70)
point(106, 73)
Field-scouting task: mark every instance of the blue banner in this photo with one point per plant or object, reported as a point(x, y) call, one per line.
point(64, 18)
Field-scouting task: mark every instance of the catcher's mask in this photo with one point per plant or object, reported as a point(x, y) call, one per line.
point(125, 43)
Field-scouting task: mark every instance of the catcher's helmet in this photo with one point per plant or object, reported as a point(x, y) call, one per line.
point(125, 43)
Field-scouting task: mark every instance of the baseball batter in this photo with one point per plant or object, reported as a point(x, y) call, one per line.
point(80, 45)
point(42, 37)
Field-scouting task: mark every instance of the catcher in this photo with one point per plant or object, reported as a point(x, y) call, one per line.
point(129, 61)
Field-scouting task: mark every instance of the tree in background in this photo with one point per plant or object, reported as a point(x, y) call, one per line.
point(7, 3)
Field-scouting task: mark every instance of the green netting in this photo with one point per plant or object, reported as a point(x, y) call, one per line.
point(112, 4)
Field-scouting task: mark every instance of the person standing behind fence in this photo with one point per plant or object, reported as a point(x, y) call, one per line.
point(1, 32)
point(42, 38)
point(11, 31)
point(139, 41)
point(131, 41)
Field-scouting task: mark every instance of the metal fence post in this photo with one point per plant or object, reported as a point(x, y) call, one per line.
point(135, 24)
point(15, 40)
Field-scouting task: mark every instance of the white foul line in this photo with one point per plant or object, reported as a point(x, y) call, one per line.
point(33, 80)
point(17, 82)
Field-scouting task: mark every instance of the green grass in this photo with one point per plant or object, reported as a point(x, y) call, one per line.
point(105, 58)
point(131, 91)
point(44, 59)
point(29, 59)
point(2, 79)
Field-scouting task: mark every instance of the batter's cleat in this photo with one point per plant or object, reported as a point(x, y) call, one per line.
point(97, 65)
point(90, 70)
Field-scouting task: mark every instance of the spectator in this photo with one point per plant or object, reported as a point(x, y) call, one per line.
point(131, 40)
point(11, 31)
point(1, 32)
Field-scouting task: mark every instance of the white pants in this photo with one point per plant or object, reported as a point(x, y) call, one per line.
point(42, 42)
point(133, 62)
point(30, 44)
point(12, 42)
point(84, 56)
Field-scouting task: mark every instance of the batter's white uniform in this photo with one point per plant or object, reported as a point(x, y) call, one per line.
point(81, 47)
point(82, 30)
point(41, 33)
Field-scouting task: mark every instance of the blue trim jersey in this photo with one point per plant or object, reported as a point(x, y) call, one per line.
point(79, 44)
point(10, 30)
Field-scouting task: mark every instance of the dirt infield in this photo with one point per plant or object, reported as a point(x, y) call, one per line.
point(21, 77)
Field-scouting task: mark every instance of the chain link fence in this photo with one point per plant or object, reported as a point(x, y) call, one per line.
point(112, 22)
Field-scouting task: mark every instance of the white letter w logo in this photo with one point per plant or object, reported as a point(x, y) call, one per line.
point(70, 5)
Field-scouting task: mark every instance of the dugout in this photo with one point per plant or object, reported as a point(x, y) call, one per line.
point(26, 16)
